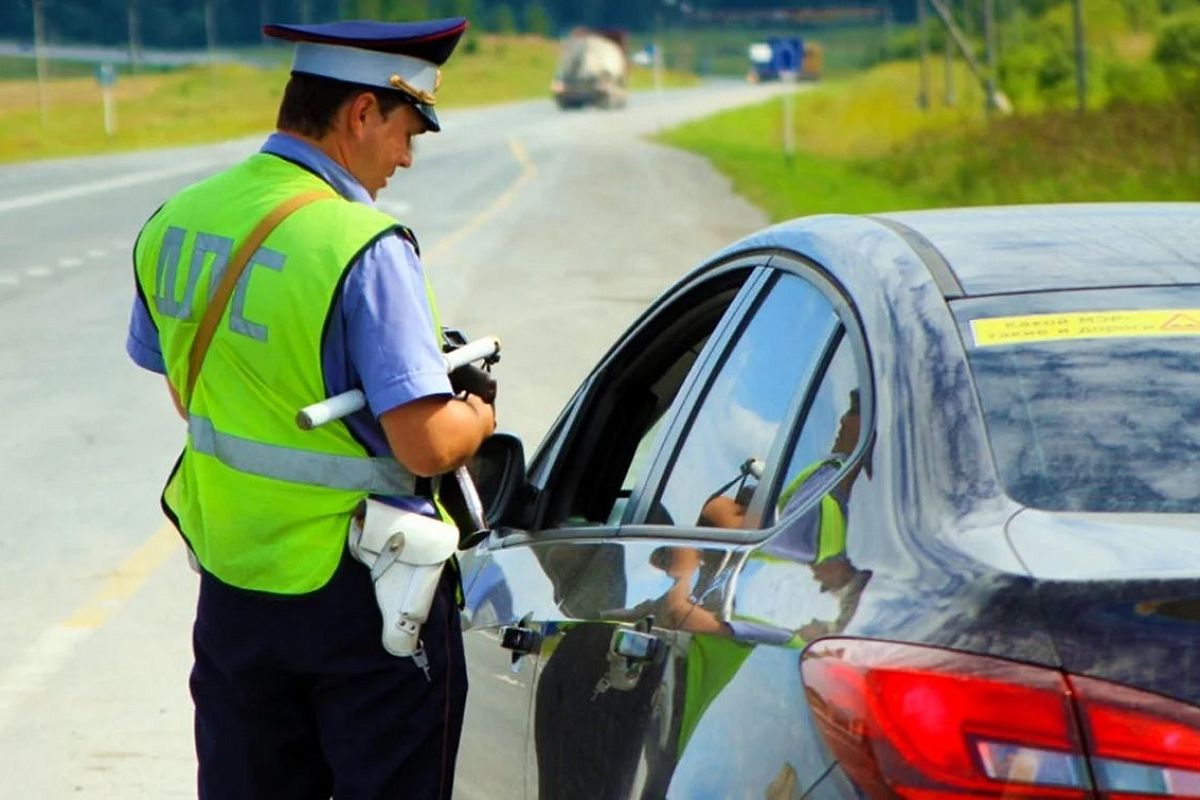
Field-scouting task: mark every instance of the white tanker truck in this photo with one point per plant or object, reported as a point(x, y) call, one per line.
point(593, 70)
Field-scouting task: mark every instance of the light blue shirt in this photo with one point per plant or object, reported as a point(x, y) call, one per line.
point(380, 334)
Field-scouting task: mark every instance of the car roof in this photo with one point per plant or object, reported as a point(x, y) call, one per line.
point(1010, 249)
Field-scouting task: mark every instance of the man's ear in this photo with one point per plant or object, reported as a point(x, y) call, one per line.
point(358, 111)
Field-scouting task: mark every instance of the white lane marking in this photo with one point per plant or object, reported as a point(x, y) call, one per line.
point(528, 173)
point(9, 280)
point(38, 271)
point(84, 189)
point(97, 252)
point(509, 679)
point(70, 261)
point(29, 674)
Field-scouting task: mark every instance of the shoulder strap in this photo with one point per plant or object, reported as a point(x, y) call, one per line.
point(233, 271)
point(407, 235)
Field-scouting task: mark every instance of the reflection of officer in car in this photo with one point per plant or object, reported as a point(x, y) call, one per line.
point(679, 608)
point(818, 535)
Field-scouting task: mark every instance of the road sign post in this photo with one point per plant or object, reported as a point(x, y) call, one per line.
point(789, 129)
point(106, 76)
point(39, 55)
point(656, 61)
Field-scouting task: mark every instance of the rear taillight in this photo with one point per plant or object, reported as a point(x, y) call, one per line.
point(1140, 744)
point(907, 721)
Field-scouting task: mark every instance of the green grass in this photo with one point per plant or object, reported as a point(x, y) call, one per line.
point(1147, 152)
point(18, 68)
point(200, 104)
point(863, 145)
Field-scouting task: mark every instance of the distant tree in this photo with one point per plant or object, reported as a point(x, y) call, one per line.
point(362, 9)
point(503, 19)
point(537, 20)
point(459, 8)
point(406, 10)
point(1178, 51)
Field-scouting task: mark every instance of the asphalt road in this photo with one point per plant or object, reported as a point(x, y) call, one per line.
point(550, 229)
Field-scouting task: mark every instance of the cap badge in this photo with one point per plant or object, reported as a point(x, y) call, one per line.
point(418, 94)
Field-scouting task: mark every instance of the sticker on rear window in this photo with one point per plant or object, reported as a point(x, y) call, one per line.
point(1086, 325)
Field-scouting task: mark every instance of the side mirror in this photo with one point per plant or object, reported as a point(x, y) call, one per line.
point(499, 472)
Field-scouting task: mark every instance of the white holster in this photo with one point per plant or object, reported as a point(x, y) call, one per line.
point(405, 553)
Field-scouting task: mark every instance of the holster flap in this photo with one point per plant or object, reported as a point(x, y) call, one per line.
point(425, 541)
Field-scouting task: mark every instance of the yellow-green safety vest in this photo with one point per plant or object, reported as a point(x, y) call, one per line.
point(262, 504)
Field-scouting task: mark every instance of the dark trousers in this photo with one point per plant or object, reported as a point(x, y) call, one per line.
point(296, 698)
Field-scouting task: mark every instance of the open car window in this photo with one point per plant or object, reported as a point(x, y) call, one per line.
point(611, 438)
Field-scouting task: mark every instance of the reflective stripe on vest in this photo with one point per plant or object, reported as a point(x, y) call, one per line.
point(383, 476)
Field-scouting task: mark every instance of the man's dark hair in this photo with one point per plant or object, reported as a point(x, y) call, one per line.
point(310, 102)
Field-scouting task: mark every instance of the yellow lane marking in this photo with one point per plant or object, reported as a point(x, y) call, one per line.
point(1086, 325)
point(126, 580)
point(47, 656)
point(528, 173)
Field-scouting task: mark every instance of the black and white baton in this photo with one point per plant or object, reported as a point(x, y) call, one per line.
point(341, 405)
point(486, 349)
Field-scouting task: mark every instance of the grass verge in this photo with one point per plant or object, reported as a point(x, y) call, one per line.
point(226, 101)
point(862, 145)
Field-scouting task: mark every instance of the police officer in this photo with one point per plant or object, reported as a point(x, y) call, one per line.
point(295, 696)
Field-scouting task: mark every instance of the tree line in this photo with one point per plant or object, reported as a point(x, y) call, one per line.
point(184, 23)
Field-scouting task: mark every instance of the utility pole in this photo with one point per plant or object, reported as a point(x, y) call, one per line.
point(887, 30)
point(135, 43)
point(949, 98)
point(989, 39)
point(1080, 58)
point(39, 55)
point(263, 14)
point(996, 99)
point(923, 33)
point(306, 11)
point(210, 37)
point(658, 54)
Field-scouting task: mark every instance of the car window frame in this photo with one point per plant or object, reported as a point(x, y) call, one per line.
point(664, 463)
point(850, 329)
point(553, 459)
point(850, 332)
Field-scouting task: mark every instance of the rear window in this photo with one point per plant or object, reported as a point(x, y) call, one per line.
point(1091, 399)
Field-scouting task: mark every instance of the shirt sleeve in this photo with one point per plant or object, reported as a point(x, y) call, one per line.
point(390, 338)
point(142, 341)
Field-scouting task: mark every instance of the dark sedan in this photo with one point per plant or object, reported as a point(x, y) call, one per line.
point(884, 506)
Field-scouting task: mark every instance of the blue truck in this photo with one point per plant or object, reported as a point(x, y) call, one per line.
point(784, 58)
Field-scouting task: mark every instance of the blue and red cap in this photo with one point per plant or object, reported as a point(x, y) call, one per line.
point(401, 56)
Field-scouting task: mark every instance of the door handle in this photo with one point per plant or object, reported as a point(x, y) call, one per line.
point(636, 646)
point(521, 640)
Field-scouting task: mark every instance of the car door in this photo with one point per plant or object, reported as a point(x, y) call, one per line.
point(582, 481)
point(646, 680)
point(748, 729)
